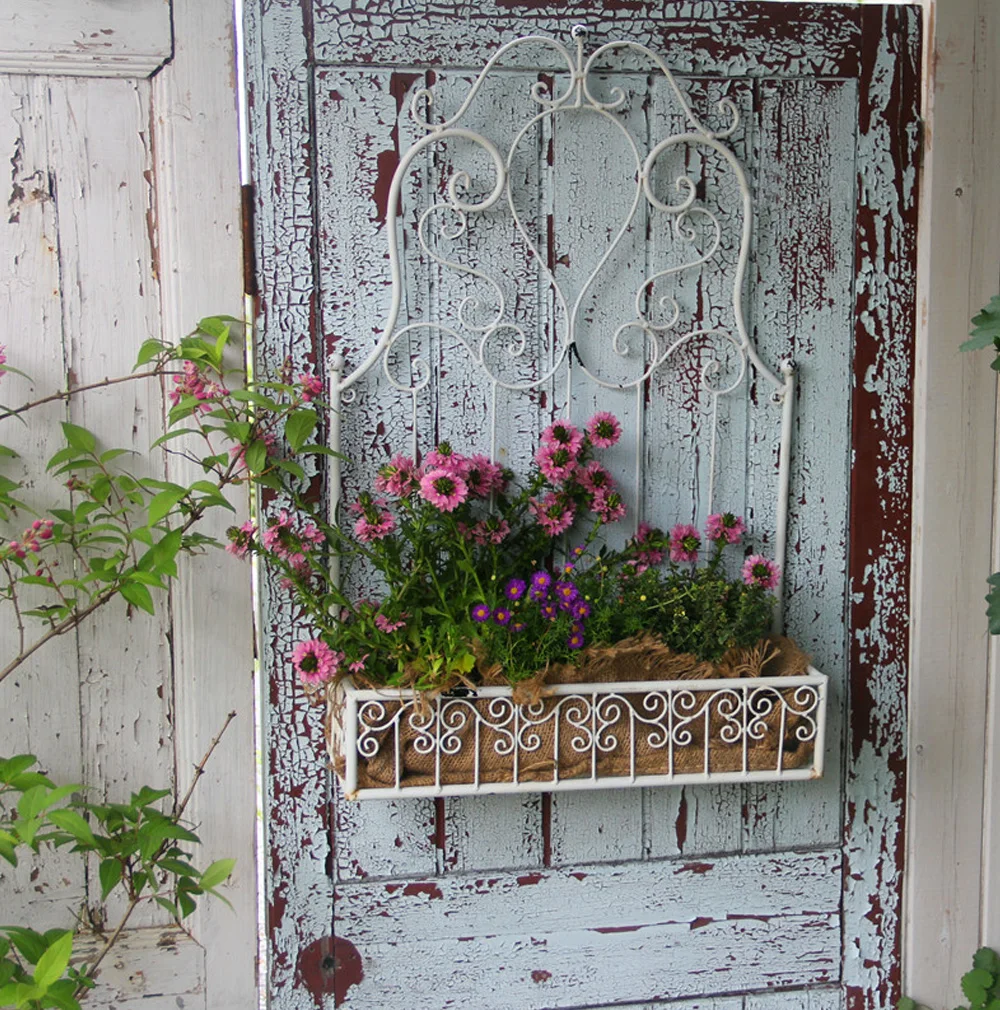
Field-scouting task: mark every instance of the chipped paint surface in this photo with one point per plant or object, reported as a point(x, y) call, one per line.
point(324, 285)
point(646, 930)
point(880, 506)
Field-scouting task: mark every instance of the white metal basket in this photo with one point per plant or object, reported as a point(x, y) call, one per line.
point(578, 736)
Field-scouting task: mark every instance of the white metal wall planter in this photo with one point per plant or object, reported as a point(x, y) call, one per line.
point(393, 742)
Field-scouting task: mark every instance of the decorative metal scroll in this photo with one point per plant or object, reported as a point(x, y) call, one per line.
point(581, 736)
point(652, 320)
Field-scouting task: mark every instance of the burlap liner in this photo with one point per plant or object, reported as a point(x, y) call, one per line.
point(643, 658)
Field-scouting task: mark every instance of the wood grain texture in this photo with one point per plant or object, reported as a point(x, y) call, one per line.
point(880, 504)
point(150, 969)
point(758, 39)
point(298, 853)
point(951, 869)
point(104, 199)
point(85, 37)
point(564, 938)
point(40, 704)
point(197, 189)
point(802, 293)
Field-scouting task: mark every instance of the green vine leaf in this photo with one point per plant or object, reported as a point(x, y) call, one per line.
point(987, 327)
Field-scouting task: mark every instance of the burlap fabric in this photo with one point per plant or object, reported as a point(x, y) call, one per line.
point(633, 660)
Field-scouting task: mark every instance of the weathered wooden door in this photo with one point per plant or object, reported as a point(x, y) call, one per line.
point(752, 897)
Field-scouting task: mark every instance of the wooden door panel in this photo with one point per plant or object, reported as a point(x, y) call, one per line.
point(829, 138)
point(566, 938)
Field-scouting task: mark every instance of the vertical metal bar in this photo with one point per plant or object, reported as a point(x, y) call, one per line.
point(350, 717)
point(781, 737)
point(336, 404)
point(819, 747)
point(746, 726)
point(784, 480)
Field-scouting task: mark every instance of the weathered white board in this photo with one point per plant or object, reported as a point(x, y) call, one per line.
point(93, 38)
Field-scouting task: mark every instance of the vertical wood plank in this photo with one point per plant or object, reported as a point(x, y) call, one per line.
point(199, 247)
point(40, 704)
point(951, 898)
point(880, 503)
point(299, 892)
point(102, 182)
point(802, 310)
point(359, 118)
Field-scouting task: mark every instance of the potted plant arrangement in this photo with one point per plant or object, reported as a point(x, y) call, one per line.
point(510, 648)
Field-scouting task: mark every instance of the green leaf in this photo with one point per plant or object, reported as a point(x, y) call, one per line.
point(32, 802)
point(30, 945)
point(138, 594)
point(298, 427)
point(323, 450)
point(907, 1004)
point(11, 767)
point(987, 327)
point(150, 349)
point(54, 961)
point(164, 502)
point(72, 823)
point(7, 451)
point(219, 871)
point(110, 872)
point(987, 958)
point(79, 438)
point(256, 455)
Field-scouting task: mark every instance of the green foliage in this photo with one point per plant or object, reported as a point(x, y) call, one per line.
point(140, 850)
point(986, 333)
point(980, 986)
point(116, 535)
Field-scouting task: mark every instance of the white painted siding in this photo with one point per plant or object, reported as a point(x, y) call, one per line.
point(121, 223)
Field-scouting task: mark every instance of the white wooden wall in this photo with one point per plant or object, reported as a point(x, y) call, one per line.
point(953, 803)
point(120, 222)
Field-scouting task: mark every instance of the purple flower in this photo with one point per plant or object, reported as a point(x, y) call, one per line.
point(550, 611)
point(518, 626)
point(566, 592)
point(480, 613)
point(575, 641)
point(540, 583)
point(502, 615)
point(514, 589)
point(580, 610)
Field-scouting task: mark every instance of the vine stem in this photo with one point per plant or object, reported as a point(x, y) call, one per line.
point(178, 812)
point(66, 394)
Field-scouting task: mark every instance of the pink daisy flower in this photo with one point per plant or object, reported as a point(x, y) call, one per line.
point(563, 435)
point(240, 539)
point(593, 477)
point(684, 543)
point(483, 476)
point(604, 430)
point(367, 529)
point(608, 505)
point(554, 513)
point(312, 386)
point(279, 536)
point(315, 662)
point(444, 489)
point(760, 571)
point(444, 457)
point(383, 623)
point(398, 477)
point(3, 358)
point(725, 527)
point(557, 463)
